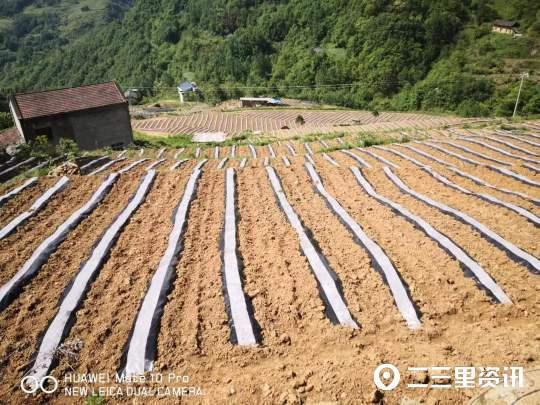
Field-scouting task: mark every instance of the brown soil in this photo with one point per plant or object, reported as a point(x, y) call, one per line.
point(302, 357)
point(505, 222)
point(496, 262)
point(350, 261)
point(137, 252)
point(496, 155)
point(532, 148)
point(488, 175)
point(194, 321)
point(19, 246)
point(24, 200)
point(521, 144)
point(22, 323)
point(272, 279)
point(426, 282)
point(471, 185)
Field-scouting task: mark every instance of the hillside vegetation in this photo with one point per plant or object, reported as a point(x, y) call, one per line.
point(437, 55)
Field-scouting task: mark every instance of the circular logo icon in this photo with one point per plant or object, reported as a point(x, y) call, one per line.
point(50, 381)
point(386, 377)
point(31, 384)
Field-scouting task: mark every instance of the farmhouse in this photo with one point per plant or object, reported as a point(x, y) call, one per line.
point(187, 88)
point(505, 27)
point(259, 101)
point(133, 96)
point(94, 116)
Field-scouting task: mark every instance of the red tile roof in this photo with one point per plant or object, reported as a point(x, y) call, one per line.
point(52, 102)
point(505, 23)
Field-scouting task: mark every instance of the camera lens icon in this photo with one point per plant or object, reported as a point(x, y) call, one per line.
point(386, 377)
point(31, 384)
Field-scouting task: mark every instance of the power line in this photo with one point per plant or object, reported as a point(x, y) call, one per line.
point(288, 86)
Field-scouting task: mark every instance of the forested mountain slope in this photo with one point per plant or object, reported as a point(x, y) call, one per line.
point(410, 55)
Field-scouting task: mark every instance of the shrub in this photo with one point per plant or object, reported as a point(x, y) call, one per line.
point(372, 142)
point(5, 120)
point(67, 147)
point(367, 140)
point(23, 151)
point(42, 148)
point(470, 108)
point(533, 105)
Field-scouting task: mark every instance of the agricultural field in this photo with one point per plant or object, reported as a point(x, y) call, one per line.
point(283, 273)
point(283, 123)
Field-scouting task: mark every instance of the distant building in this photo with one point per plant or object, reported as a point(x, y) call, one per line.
point(133, 96)
point(260, 101)
point(505, 27)
point(94, 116)
point(187, 88)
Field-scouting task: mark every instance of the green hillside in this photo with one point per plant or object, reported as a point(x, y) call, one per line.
point(437, 55)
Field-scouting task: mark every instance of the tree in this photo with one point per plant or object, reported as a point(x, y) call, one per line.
point(5, 120)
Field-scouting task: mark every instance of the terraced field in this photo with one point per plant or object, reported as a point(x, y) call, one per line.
point(275, 274)
point(282, 124)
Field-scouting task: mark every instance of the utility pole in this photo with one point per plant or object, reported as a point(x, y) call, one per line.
point(523, 76)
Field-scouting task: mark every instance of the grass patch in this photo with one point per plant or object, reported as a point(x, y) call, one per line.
point(344, 146)
point(184, 141)
point(147, 141)
point(318, 137)
point(369, 139)
point(42, 171)
point(95, 399)
point(26, 174)
point(244, 138)
point(507, 127)
point(362, 140)
point(5, 23)
point(365, 141)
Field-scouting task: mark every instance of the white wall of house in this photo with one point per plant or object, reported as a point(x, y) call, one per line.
point(16, 119)
point(503, 30)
